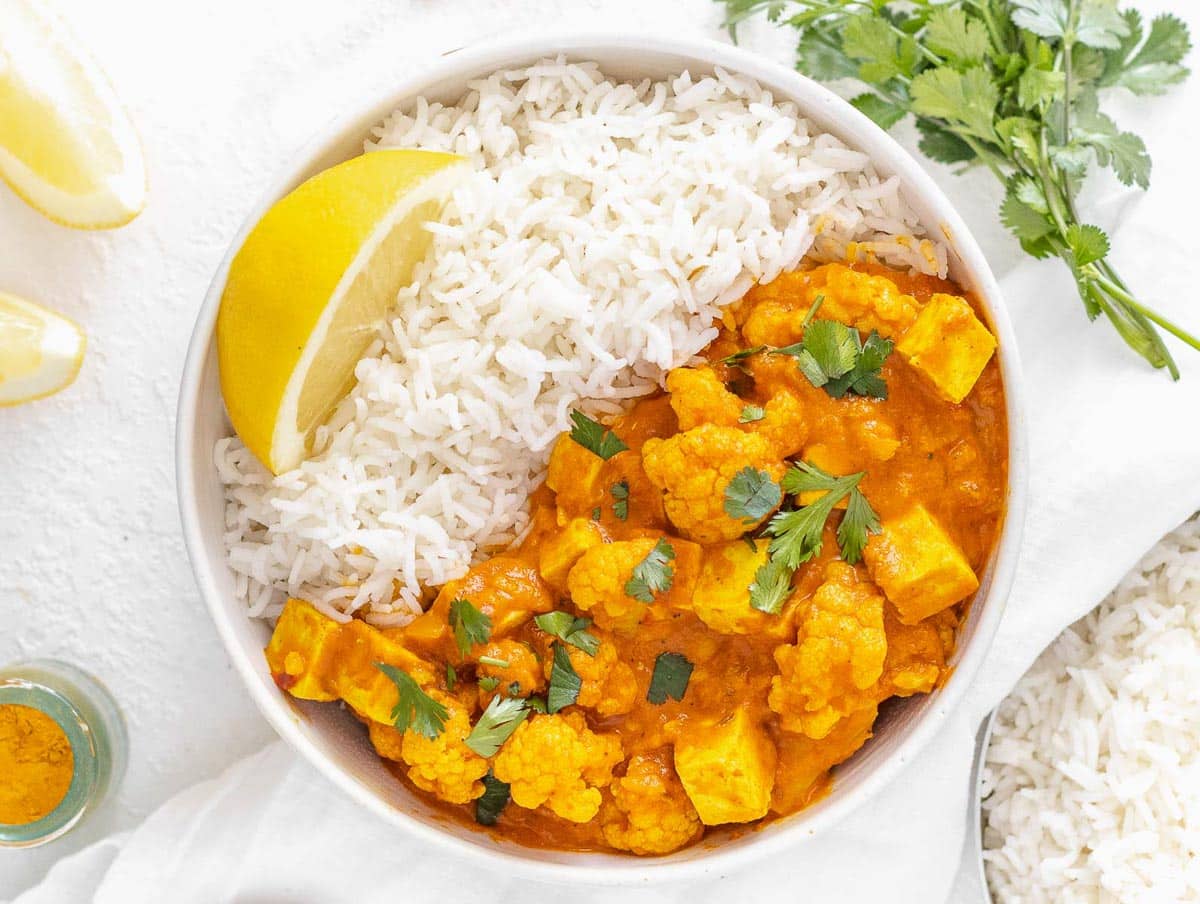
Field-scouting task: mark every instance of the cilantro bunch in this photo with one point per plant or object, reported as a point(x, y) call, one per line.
point(1012, 85)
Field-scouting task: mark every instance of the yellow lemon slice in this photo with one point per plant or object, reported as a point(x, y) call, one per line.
point(309, 289)
point(66, 145)
point(40, 351)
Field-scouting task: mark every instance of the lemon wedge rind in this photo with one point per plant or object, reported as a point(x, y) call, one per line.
point(41, 352)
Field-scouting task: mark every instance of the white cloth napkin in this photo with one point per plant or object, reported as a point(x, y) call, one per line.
point(1115, 465)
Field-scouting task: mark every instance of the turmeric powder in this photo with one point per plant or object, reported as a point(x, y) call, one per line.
point(36, 764)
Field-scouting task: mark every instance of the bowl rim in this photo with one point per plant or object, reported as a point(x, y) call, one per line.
point(786, 85)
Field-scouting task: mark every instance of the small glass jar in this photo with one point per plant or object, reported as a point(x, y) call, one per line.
point(93, 726)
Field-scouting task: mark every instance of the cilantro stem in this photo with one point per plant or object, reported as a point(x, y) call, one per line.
point(1118, 292)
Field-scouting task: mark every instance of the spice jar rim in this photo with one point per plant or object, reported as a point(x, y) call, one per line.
point(22, 692)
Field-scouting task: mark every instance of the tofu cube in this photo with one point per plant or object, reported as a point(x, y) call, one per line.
point(562, 550)
point(301, 652)
point(722, 596)
point(360, 683)
point(949, 345)
point(574, 474)
point(727, 768)
point(918, 566)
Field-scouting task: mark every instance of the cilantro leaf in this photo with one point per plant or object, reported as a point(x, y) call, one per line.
point(451, 677)
point(1099, 24)
point(1045, 18)
point(941, 144)
point(1155, 65)
point(1021, 212)
point(952, 34)
point(488, 684)
point(537, 704)
point(858, 522)
point(470, 625)
point(883, 53)
point(569, 629)
point(877, 109)
point(1088, 243)
point(771, 586)
point(594, 437)
point(751, 495)
point(414, 708)
point(496, 725)
point(798, 533)
point(827, 350)
point(492, 802)
point(1123, 151)
point(652, 575)
point(967, 99)
point(863, 379)
point(750, 414)
point(620, 495)
point(565, 682)
point(672, 671)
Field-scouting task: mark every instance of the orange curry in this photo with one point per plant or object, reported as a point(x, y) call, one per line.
point(690, 635)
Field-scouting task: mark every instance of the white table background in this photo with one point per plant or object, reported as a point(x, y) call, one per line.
point(92, 565)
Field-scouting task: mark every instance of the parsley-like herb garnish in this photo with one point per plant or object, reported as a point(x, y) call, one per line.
point(1013, 85)
point(833, 357)
point(470, 625)
point(737, 358)
point(565, 682)
point(595, 437)
point(490, 804)
point(751, 495)
point(414, 709)
point(569, 629)
point(653, 574)
point(798, 532)
point(537, 704)
point(620, 495)
point(451, 677)
point(771, 586)
point(497, 723)
point(672, 671)
point(750, 414)
point(488, 684)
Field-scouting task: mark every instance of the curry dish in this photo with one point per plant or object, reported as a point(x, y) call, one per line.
point(719, 587)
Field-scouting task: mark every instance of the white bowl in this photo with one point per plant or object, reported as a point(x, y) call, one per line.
point(329, 737)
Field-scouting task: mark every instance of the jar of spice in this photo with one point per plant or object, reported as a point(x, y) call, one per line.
point(63, 746)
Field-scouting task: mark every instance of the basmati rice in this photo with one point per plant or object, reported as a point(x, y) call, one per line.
point(603, 229)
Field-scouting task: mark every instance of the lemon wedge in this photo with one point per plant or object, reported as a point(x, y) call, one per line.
point(309, 289)
point(66, 145)
point(40, 351)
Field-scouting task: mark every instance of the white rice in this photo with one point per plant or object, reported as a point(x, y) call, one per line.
point(1093, 773)
point(603, 229)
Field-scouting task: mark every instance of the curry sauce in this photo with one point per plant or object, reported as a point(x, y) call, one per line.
point(653, 552)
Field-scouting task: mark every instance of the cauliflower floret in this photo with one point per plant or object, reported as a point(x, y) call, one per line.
point(443, 766)
point(558, 761)
point(698, 397)
point(524, 669)
point(861, 300)
point(838, 659)
point(597, 582)
point(609, 685)
point(694, 469)
point(650, 813)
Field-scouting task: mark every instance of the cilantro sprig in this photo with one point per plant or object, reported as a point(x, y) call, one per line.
point(492, 802)
point(1014, 86)
point(470, 625)
point(565, 683)
point(415, 710)
point(834, 357)
point(496, 725)
point(798, 533)
point(595, 437)
point(653, 574)
point(570, 629)
point(620, 495)
point(672, 671)
point(751, 495)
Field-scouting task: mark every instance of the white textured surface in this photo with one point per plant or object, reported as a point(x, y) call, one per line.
point(91, 564)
